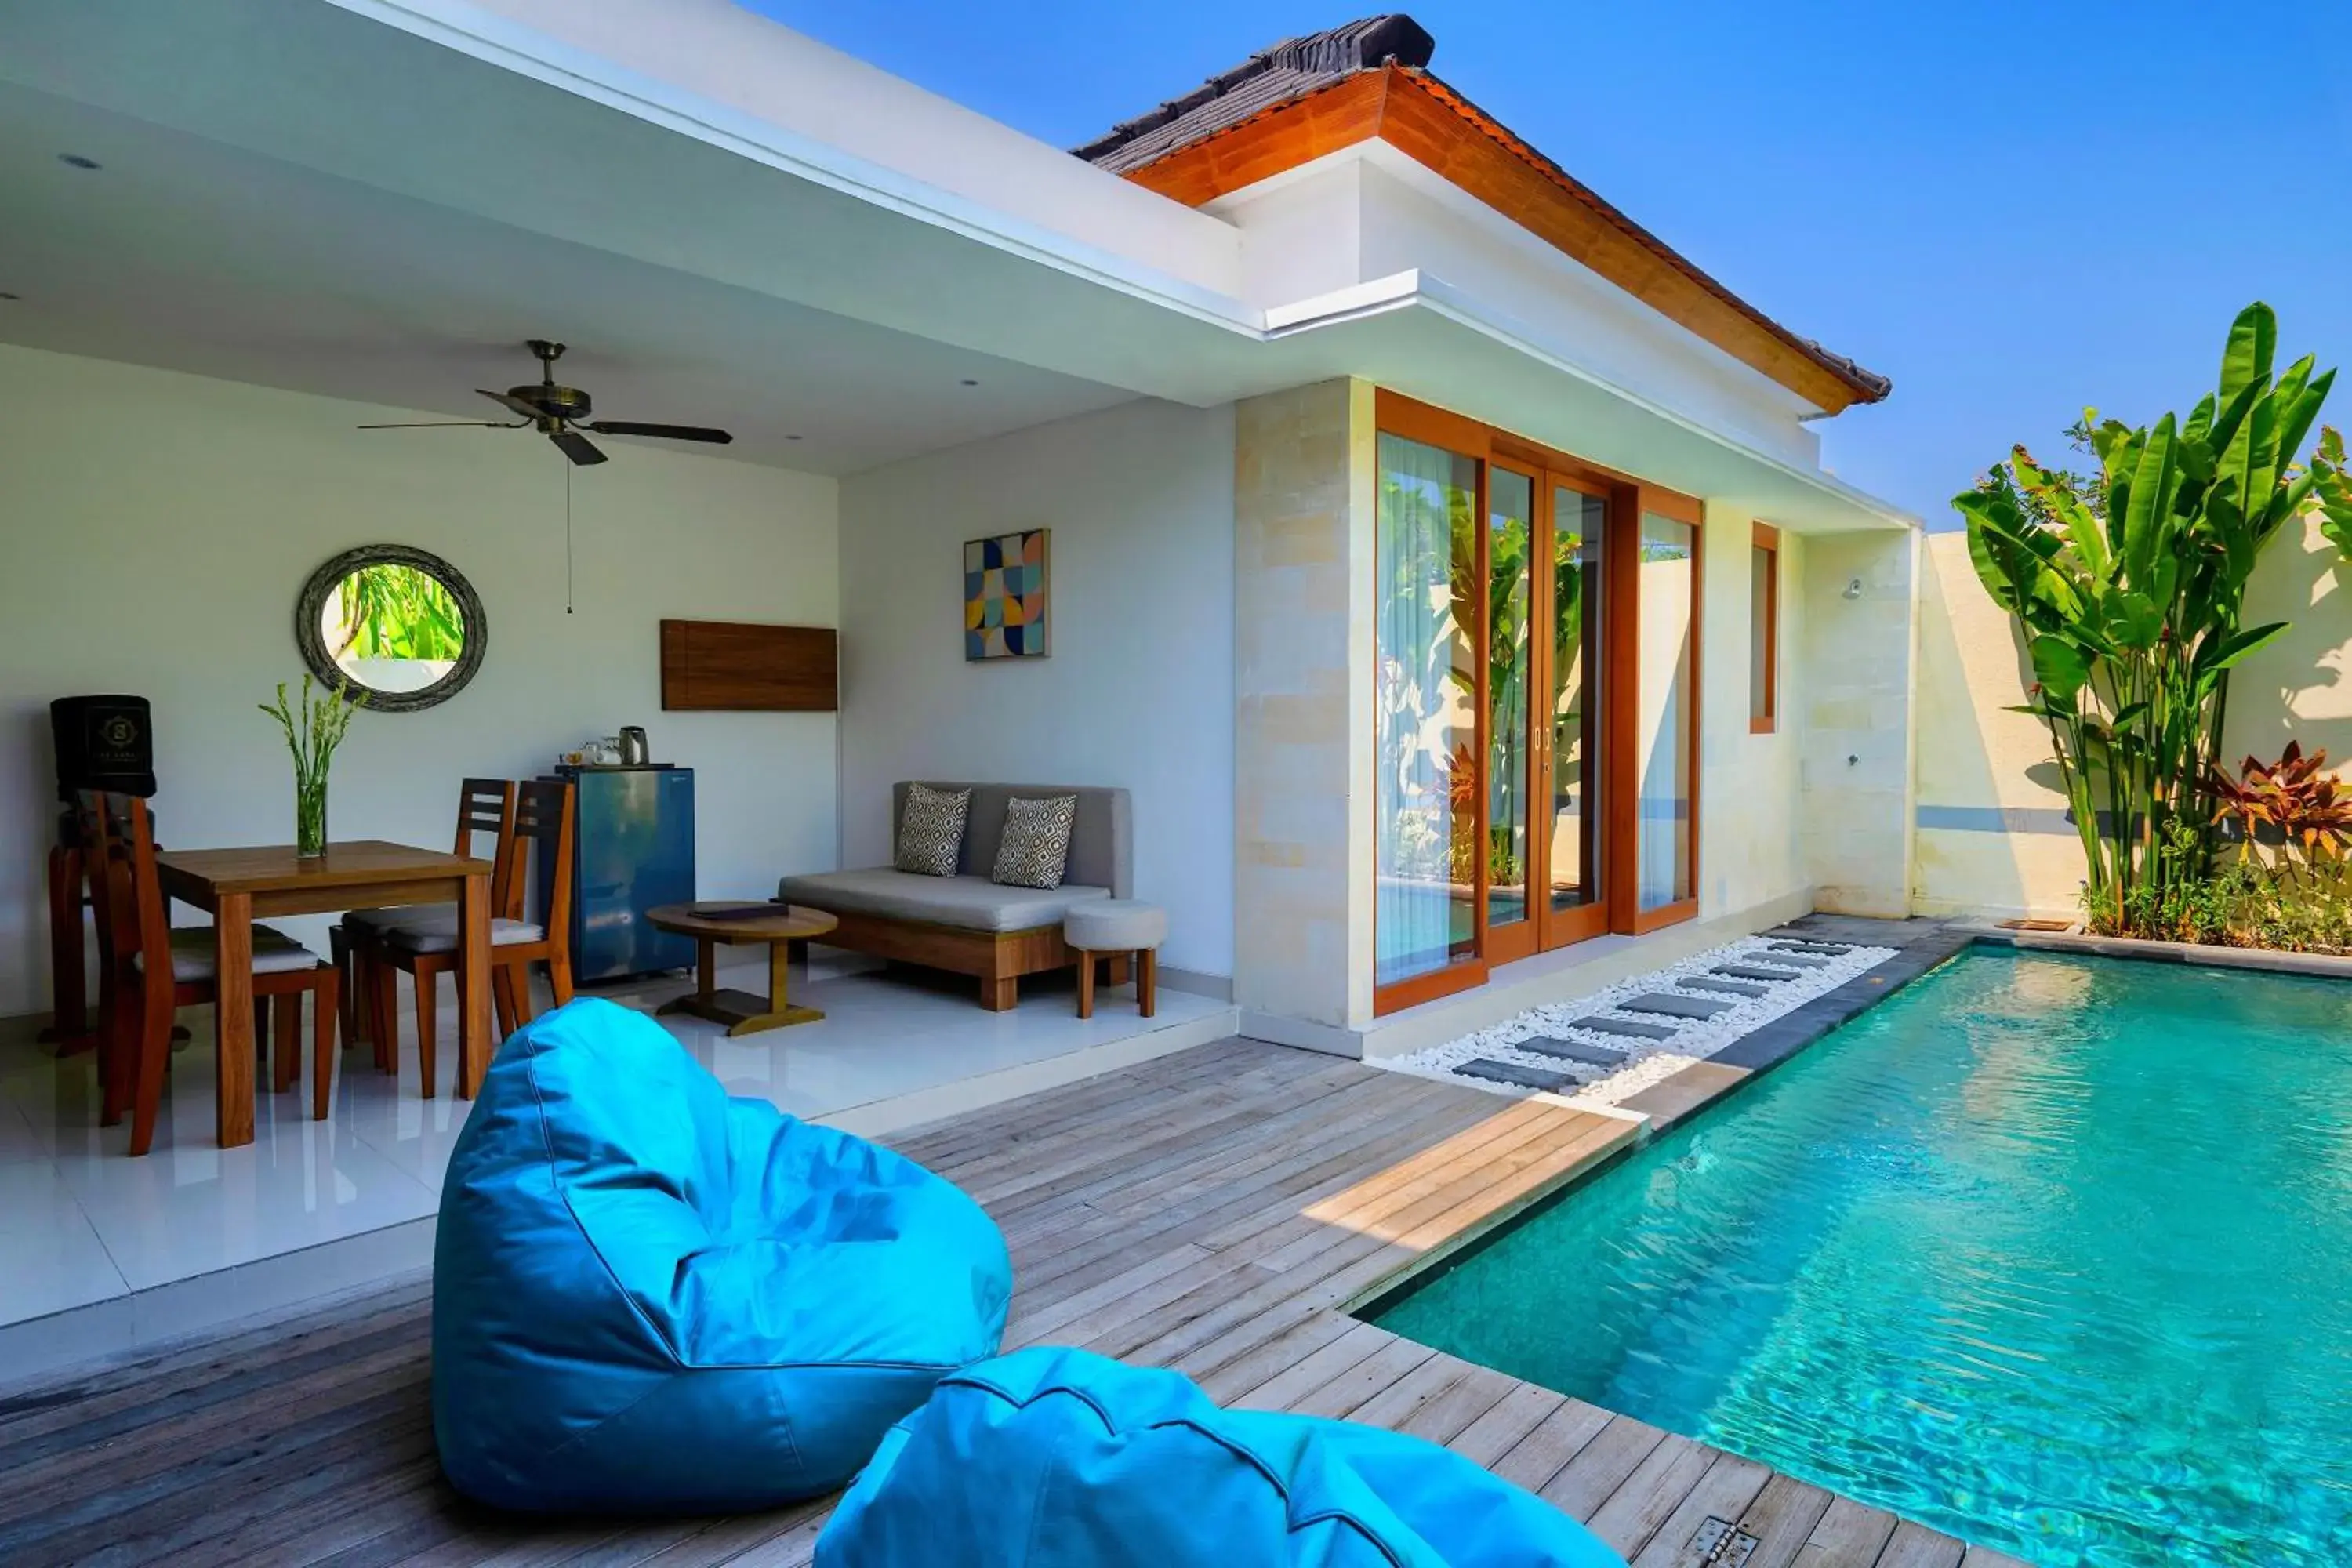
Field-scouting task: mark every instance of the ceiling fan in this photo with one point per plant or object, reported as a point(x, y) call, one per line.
point(561, 413)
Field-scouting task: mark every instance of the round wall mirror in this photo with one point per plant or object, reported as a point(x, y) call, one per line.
point(401, 625)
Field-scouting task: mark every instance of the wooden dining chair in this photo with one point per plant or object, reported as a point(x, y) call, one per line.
point(484, 806)
point(159, 971)
point(428, 950)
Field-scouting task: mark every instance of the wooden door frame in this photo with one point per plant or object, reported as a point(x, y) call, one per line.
point(1626, 914)
point(1523, 938)
point(1614, 781)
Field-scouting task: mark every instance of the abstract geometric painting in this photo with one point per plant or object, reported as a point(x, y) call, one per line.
point(1004, 596)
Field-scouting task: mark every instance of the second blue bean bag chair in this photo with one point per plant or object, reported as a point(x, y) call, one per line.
point(1059, 1459)
point(650, 1298)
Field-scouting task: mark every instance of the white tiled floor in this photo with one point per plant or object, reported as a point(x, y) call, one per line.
point(82, 1222)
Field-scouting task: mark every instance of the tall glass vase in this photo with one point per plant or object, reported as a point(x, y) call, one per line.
point(311, 814)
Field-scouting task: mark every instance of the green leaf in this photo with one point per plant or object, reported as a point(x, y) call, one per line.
point(2229, 649)
point(2253, 338)
point(2060, 666)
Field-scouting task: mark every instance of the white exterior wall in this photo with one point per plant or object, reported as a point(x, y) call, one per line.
point(1859, 656)
point(1750, 848)
point(157, 528)
point(1139, 690)
point(1370, 212)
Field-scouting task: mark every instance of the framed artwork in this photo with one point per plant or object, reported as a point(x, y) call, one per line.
point(1007, 612)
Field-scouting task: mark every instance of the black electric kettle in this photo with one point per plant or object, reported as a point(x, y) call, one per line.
point(635, 752)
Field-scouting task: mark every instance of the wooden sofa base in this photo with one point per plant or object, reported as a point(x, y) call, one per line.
point(997, 959)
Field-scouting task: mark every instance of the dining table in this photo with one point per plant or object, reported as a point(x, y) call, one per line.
point(237, 885)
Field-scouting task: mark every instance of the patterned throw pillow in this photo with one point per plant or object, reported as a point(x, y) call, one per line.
point(930, 830)
point(1036, 843)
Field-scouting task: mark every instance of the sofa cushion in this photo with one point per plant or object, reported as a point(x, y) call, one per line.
point(973, 903)
point(1035, 847)
point(930, 830)
point(1102, 839)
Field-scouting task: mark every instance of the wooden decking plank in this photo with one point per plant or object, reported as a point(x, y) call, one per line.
point(1474, 1391)
point(195, 1371)
point(1312, 1371)
point(1342, 1395)
point(1729, 1485)
point(1236, 1377)
point(1537, 1460)
point(1400, 1400)
point(1782, 1519)
point(1916, 1546)
point(1650, 1496)
point(1602, 1466)
point(1518, 1413)
point(1849, 1536)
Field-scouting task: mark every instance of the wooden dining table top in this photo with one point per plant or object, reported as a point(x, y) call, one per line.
point(277, 867)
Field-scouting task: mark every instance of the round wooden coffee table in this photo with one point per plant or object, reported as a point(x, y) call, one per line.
point(713, 924)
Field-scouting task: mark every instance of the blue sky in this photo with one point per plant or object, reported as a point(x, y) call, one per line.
point(2012, 208)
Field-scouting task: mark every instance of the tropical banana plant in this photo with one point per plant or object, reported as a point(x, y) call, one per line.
point(2130, 596)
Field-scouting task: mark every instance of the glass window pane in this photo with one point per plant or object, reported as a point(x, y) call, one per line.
point(1578, 522)
point(1425, 798)
point(1762, 587)
point(1510, 532)
point(1668, 598)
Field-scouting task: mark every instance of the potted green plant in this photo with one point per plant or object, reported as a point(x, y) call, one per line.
point(313, 730)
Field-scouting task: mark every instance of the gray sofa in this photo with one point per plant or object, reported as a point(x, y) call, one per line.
point(967, 923)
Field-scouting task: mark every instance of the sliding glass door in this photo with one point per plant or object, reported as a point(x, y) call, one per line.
point(1425, 798)
point(1535, 739)
point(1574, 907)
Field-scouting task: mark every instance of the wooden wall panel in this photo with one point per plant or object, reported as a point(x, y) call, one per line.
point(738, 666)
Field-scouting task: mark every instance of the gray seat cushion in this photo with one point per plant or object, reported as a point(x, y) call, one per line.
point(441, 935)
point(969, 903)
point(274, 953)
point(1115, 925)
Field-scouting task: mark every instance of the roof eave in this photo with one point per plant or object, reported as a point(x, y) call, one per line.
point(1427, 121)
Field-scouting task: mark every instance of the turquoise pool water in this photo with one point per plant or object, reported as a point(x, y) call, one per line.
point(2054, 1254)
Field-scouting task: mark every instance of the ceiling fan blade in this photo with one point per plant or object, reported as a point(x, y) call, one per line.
point(444, 425)
point(517, 404)
point(667, 432)
point(577, 448)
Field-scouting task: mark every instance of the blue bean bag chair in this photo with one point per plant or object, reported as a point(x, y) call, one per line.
point(1059, 1459)
point(650, 1298)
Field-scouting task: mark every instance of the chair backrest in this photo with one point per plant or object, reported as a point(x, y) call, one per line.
point(1102, 837)
point(488, 805)
point(127, 829)
point(542, 813)
point(112, 908)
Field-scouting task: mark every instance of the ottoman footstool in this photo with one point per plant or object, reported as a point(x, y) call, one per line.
point(1115, 928)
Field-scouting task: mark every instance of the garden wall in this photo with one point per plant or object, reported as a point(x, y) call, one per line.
point(1993, 837)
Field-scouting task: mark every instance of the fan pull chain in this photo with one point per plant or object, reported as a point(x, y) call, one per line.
point(567, 536)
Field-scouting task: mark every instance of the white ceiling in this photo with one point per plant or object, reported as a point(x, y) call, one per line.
point(194, 256)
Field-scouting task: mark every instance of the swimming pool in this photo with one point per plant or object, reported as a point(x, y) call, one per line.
point(2051, 1253)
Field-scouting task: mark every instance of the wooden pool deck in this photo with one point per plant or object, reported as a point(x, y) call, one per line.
point(1211, 1211)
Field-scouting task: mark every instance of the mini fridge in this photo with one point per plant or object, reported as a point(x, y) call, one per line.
point(632, 848)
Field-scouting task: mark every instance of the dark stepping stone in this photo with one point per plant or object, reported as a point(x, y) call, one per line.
point(1801, 960)
point(1755, 972)
point(1674, 1006)
point(1513, 1074)
point(1724, 987)
point(1625, 1026)
point(1793, 944)
point(1571, 1050)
